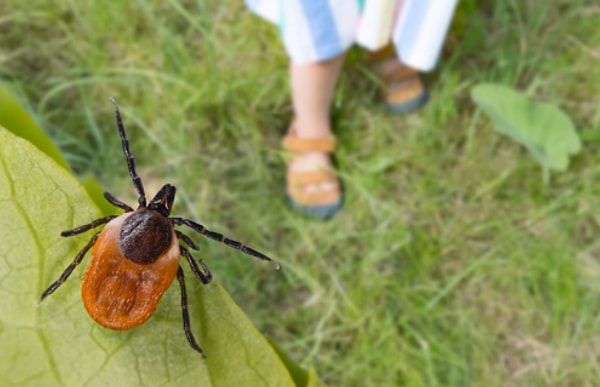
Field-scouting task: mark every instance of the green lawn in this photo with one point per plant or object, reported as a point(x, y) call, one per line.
point(453, 262)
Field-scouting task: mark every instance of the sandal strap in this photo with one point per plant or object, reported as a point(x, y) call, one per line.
point(298, 144)
point(399, 73)
point(310, 199)
point(379, 55)
point(312, 177)
point(405, 90)
point(299, 181)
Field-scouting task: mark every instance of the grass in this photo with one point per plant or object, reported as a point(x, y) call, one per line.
point(452, 263)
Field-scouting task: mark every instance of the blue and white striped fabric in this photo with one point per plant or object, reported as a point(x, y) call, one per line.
point(317, 30)
point(312, 30)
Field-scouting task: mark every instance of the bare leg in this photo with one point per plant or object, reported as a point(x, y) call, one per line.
point(313, 86)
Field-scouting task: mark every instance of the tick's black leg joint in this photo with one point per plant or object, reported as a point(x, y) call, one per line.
point(116, 202)
point(89, 226)
point(220, 238)
point(65, 274)
point(187, 240)
point(204, 278)
point(186, 315)
point(137, 181)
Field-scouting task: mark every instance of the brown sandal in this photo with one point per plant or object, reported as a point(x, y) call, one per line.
point(402, 87)
point(303, 187)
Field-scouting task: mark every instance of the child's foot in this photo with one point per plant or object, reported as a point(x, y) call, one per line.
point(401, 86)
point(312, 185)
point(402, 89)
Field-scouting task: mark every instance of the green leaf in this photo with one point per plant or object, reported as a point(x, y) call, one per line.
point(16, 119)
point(313, 379)
point(301, 377)
point(57, 343)
point(543, 128)
point(236, 354)
point(96, 193)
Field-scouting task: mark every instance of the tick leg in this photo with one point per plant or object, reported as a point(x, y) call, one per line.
point(63, 277)
point(204, 278)
point(220, 238)
point(137, 181)
point(116, 202)
point(89, 226)
point(188, 241)
point(186, 315)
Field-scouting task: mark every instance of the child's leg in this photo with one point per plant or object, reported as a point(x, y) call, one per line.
point(313, 86)
point(312, 186)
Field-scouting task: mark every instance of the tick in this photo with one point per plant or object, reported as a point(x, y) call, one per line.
point(135, 257)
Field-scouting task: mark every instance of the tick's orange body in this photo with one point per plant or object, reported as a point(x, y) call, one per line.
point(121, 294)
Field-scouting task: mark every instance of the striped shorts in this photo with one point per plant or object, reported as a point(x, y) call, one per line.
point(317, 30)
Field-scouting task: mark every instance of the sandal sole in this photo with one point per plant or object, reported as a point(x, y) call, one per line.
point(410, 105)
point(322, 212)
